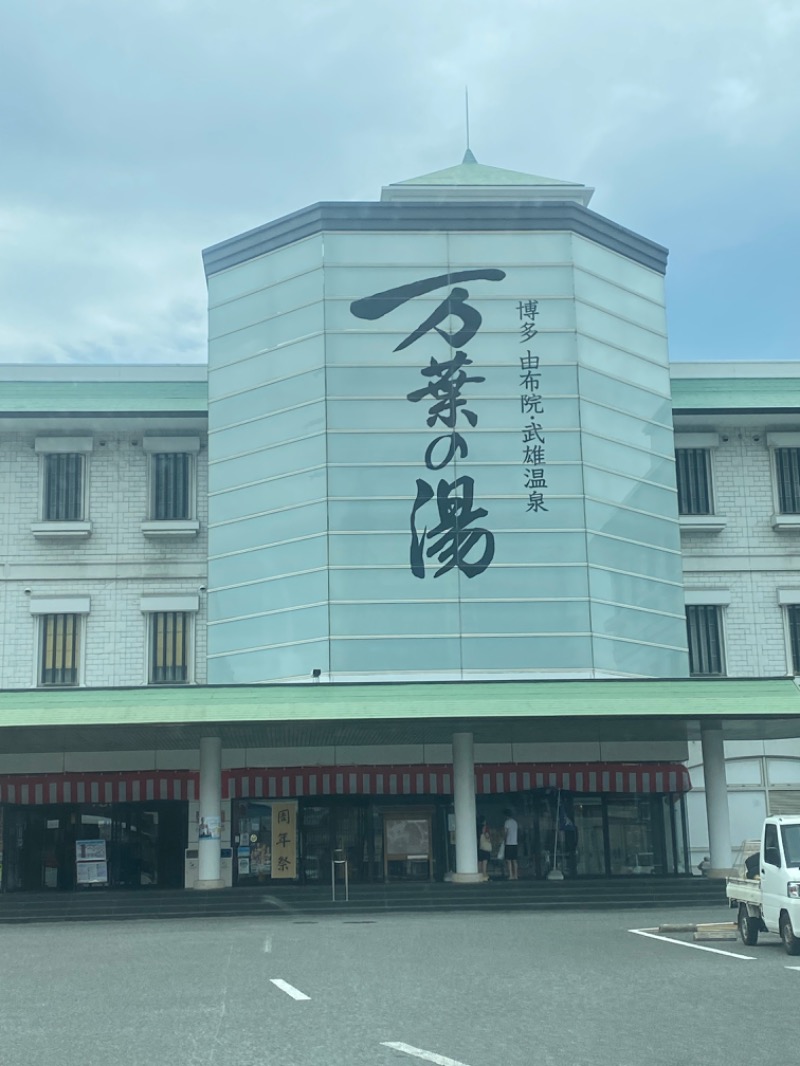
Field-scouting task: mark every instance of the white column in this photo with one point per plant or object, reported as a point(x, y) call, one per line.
point(464, 802)
point(719, 831)
point(209, 847)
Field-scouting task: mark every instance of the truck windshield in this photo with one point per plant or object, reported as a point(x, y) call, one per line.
point(791, 844)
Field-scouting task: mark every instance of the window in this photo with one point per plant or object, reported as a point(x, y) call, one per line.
point(693, 473)
point(170, 486)
point(787, 474)
point(793, 614)
point(772, 852)
point(169, 648)
point(63, 487)
point(59, 657)
point(790, 835)
point(172, 489)
point(704, 634)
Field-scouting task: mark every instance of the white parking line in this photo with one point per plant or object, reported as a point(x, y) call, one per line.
point(429, 1056)
point(793, 967)
point(686, 944)
point(268, 945)
point(290, 990)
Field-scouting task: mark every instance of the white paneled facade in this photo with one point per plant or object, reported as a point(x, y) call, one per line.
point(746, 558)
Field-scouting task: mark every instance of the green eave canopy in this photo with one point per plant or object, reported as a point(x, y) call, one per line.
point(310, 714)
point(103, 397)
point(735, 394)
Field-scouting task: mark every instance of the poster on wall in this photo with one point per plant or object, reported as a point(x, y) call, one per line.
point(260, 860)
point(92, 873)
point(90, 862)
point(209, 827)
point(284, 839)
point(90, 851)
point(408, 838)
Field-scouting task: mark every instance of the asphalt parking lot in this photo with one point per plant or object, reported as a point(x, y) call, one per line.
point(573, 989)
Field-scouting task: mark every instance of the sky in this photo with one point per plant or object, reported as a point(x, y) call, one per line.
point(134, 134)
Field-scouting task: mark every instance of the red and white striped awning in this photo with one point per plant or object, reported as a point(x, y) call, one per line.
point(142, 786)
point(131, 786)
point(490, 778)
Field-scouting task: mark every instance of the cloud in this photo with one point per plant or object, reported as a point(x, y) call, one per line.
point(134, 134)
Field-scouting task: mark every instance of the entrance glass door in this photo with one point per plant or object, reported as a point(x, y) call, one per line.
point(633, 842)
point(316, 839)
point(340, 829)
point(253, 837)
point(590, 856)
point(36, 853)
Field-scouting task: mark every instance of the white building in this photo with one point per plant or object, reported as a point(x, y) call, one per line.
point(737, 431)
point(241, 629)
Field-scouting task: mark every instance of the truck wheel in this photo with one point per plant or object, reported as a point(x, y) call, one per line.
point(790, 941)
point(748, 927)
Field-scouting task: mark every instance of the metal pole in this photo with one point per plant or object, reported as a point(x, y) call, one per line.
point(555, 874)
point(334, 864)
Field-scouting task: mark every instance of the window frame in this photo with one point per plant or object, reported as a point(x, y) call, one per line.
point(189, 645)
point(45, 461)
point(771, 830)
point(719, 613)
point(171, 527)
point(79, 624)
point(792, 665)
point(191, 489)
point(46, 447)
point(777, 481)
point(712, 521)
point(708, 454)
point(776, 442)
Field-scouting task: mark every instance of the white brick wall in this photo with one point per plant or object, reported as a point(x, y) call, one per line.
point(115, 565)
point(748, 557)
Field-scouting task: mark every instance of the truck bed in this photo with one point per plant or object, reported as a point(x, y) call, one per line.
point(743, 890)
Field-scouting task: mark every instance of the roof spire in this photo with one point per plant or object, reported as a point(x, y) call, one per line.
point(468, 156)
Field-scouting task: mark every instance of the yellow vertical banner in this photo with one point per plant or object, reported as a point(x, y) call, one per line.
point(284, 838)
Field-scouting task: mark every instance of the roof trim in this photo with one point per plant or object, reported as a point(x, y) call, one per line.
point(673, 698)
point(437, 217)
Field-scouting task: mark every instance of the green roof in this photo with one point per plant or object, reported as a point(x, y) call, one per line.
point(43, 397)
point(102, 397)
point(735, 394)
point(479, 174)
point(84, 719)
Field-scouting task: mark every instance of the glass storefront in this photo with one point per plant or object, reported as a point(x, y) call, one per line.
point(84, 846)
point(383, 838)
point(399, 841)
point(585, 835)
point(413, 838)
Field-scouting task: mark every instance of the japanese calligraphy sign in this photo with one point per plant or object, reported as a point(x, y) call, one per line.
point(443, 531)
point(532, 407)
point(284, 839)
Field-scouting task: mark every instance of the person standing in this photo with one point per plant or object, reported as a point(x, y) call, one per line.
point(511, 842)
point(484, 849)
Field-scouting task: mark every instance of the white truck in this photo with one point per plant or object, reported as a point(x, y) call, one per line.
point(769, 901)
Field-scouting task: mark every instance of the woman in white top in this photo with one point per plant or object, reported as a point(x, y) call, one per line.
point(511, 827)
